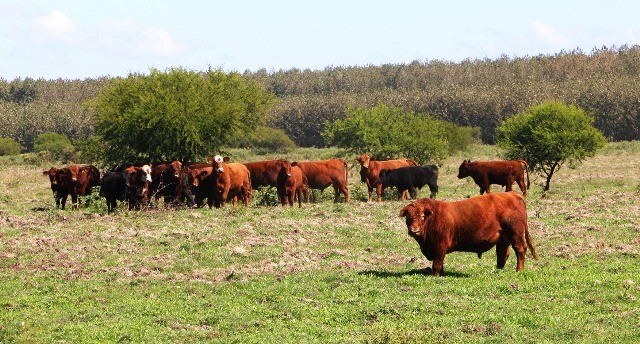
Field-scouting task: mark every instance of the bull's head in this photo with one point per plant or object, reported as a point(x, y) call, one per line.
point(417, 215)
point(217, 162)
point(146, 169)
point(463, 170)
point(363, 160)
point(177, 168)
point(285, 167)
point(52, 175)
point(74, 171)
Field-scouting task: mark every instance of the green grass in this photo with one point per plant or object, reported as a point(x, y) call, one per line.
point(326, 273)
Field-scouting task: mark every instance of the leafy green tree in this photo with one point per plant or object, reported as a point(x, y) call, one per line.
point(548, 135)
point(57, 146)
point(176, 114)
point(9, 146)
point(388, 132)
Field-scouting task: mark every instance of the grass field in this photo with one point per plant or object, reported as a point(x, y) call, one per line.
point(326, 273)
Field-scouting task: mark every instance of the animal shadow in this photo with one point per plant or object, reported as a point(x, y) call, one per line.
point(397, 274)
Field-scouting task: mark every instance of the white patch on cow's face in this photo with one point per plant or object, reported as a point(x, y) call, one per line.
point(147, 170)
point(218, 160)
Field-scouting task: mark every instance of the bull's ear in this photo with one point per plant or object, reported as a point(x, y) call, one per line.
point(46, 173)
point(225, 159)
point(210, 159)
point(295, 163)
point(403, 212)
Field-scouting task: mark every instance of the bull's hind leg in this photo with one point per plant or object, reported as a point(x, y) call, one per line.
point(502, 253)
point(520, 247)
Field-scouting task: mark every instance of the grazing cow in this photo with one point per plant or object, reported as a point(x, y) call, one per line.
point(472, 225)
point(503, 172)
point(200, 178)
point(370, 172)
point(321, 174)
point(411, 177)
point(291, 183)
point(166, 181)
point(232, 181)
point(114, 187)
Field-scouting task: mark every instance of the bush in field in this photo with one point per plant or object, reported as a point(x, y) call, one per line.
point(56, 146)
point(177, 114)
point(548, 135)
point(388, 132)
point(9, 146)
point(264, 140)
point(91, 149)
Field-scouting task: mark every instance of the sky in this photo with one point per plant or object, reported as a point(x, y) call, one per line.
point(79, 39)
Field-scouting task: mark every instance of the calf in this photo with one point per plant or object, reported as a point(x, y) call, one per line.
point(138, 188)
point(473, 225)
point(231, 181)
point(411, 177)
point(370, 172)
point(321, 174)
point(291, 183)
point(503, 172)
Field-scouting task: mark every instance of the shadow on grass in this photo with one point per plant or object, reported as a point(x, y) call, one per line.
point(425, 272)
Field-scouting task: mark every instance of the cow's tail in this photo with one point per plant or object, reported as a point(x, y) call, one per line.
point(527, 237)
point(526, 170)
point(346, 172)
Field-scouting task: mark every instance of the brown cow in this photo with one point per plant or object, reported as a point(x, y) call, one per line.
point(200, 178)
point(166, 181)
point(321, 174)
point(503, 172)
point(370, 172)
point(473, 225)
point(53, 181)
point(138, 188)
point(264, 173)
point(87, 177)
point(291, 183)
point(232, 181)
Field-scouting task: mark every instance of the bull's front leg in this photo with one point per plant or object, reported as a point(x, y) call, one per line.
point(438, 263)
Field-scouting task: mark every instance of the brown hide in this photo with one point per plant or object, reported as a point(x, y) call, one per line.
point(231, 181)
point(291, 183)
point(166, 181)
point(264, 173)
point(503, 172)
point(200, 177)
point(473, 225)
point(370, 172)
point(88, 177)
point(320, 174)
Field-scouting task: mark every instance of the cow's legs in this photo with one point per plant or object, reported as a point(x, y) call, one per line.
point(379, 192)
point(438, 263)
point(434, 191)
point(523, 188)
point(413, 193)
point(520, 247)
point(502, 253)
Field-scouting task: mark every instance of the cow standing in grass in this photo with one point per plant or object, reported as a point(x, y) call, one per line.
point(472, 225)
point(502, 172)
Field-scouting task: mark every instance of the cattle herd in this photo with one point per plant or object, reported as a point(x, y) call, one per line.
point(472, 225)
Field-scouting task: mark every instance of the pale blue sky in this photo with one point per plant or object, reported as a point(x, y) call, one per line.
point(77, 39)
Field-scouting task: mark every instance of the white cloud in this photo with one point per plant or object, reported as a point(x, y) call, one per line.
point(547, 34)
point(160, 42)
point(57, 25)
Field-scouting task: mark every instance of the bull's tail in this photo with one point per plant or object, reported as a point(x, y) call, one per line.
point(526, 170)
point(346, 172)
point(527, 237)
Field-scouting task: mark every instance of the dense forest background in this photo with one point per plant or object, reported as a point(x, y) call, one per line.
point(477, 93)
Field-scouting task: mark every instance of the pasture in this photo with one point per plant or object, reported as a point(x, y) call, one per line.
point(326, 273)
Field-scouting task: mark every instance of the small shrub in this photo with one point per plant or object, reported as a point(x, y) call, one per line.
point(265, 140)
point(9, 146)
point(54, 146)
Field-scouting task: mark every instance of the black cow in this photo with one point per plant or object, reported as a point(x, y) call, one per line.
point(114, 187)
point(410, 178)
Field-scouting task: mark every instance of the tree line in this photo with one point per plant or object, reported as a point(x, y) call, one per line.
point(477, 93)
